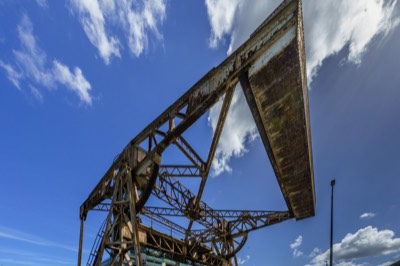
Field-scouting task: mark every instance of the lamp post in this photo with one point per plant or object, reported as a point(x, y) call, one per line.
point(331, 249)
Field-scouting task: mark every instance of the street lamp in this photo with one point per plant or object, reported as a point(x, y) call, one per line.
point(331, 250)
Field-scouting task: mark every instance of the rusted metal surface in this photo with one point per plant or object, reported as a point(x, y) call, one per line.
point(276, 91)
point(271, 69)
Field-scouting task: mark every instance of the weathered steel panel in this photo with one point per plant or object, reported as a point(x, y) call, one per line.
point(277, 95)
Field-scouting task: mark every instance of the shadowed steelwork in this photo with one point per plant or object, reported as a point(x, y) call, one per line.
point(270, 67)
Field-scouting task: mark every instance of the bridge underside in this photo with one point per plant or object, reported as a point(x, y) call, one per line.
point(277, 96)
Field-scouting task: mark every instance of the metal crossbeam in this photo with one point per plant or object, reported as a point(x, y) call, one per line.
point(243, 225)
point(190, 153)
point(181, 170)
point(245, 220)
point(221, 213)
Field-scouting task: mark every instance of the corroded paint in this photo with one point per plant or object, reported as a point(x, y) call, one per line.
point(273, 50)
point(280, 95)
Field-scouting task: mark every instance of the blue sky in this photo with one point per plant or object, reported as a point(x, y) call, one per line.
point(78, 81)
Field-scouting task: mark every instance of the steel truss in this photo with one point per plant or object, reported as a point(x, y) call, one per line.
point(138, 172)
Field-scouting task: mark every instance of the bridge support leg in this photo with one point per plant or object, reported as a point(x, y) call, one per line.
point(80, 243)
point(135, 228)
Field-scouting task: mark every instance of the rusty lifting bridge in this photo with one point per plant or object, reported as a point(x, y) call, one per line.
point(270, 67)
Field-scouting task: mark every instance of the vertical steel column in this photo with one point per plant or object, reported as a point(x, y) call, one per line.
point(135, 229)
point(80, 243)
point(331, 249)
point(108, 228)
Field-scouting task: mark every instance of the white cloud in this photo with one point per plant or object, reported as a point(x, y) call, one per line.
point(297, 253)
point(366, 242)
point(243, 261)
point(136, 19)
point(240, 24)
point(367, 215)
point(13, 75)
point(221, 15)
point(33, 67)
point(330, 26)
point(297, 243)
point(315, 252)
point(295, 246)
point(31, 58)
point(92, 20)
point(138, 23)
point(237, 129)
point(74, 81)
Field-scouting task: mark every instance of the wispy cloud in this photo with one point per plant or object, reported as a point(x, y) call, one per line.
point(295, 246)
point(367, 215)
point(315, 252)
point(221, 14)
point(330, 26)
point(31, 66)
point(31, 58)
point(33, 261)
point(36, 93)
point(16, 235)
point(136, 19)
point(243, 261)
point(75, 81)
point(366, 242)
point(93, 23)
point(42, 3)
point(13, 75)
point(20, 262)
point(37, 260)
